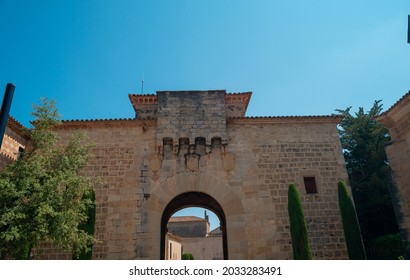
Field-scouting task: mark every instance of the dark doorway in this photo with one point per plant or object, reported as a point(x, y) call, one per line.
point(193, 199)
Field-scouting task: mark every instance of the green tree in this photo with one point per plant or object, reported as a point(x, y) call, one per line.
point(41, 193)
point(363, 140)
point(88, 227)
point(300, 242)
point(351, 227)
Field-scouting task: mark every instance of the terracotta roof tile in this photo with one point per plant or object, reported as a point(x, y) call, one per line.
point(185, 219)
point(144, 94)
point(238, 93)
point(404, 97)
point(97, 120)
point(287, 119)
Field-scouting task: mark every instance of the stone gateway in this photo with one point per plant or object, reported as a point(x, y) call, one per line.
point(197, 148)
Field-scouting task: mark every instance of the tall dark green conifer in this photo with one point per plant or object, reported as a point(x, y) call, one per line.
point(351, 227)
point(300, 242)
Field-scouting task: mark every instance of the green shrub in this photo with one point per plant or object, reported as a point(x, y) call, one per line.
point(386, 247)
point(351, 226)
point(187, 256)
point(300, 242)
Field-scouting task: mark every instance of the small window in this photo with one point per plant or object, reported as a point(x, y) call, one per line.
point(310, 184)
point(20, 152)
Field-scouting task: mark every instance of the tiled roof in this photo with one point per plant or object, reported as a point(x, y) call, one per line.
point(238, 93)
point(144, 94)
point(195, 90)
point(402, 99)
point(98, 120)
point(335, 118)
point(107, 123)
point(12, 122)
point(288, 119)
point(174, 237)
point(216, 231)
point(186, 219)
point(7, 158)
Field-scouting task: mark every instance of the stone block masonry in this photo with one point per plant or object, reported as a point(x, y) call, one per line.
point(14, 142)
point(284, 152)
point(191, 114)
point(197, 148)
point(397, 121)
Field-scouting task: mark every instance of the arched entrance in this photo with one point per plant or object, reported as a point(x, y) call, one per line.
point(191, 199)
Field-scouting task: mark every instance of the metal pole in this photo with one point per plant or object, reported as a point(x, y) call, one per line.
point(408, 31)
point(5, 109)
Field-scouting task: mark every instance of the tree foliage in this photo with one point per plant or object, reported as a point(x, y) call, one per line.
point(351, 227)
point(88, 227)
point(41, 193)
point(363, 140)
point(298, 231)
point(387, 247)
point(187, 256)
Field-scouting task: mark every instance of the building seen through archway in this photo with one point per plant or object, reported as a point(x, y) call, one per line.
point(199, 236)
point(194, 233)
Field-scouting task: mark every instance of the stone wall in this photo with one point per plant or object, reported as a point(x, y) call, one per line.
point(205, 248)
point(13, 143)
point(272, 153)
point(189, 228)
point(190, 115)
point(397, 121)
point(119, 158)
point(173, 249)
point(244, 164)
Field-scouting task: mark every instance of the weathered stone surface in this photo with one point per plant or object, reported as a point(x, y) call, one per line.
point(200, 142)
point(397, 121)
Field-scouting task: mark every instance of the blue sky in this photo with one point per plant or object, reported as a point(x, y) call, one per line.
point(297, 57)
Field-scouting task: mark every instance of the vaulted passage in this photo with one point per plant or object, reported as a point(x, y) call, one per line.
point(193, 199)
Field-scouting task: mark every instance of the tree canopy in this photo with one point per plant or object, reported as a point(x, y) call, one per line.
point(42, 194)
point(363, 140)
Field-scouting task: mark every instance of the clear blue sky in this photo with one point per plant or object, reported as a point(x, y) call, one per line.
point(297, 57)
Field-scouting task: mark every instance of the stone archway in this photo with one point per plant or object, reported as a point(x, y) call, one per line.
point(177, 192)
point(190, 199)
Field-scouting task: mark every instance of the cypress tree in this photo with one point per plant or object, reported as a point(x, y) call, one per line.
point(298, 231)
point(351, 227)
